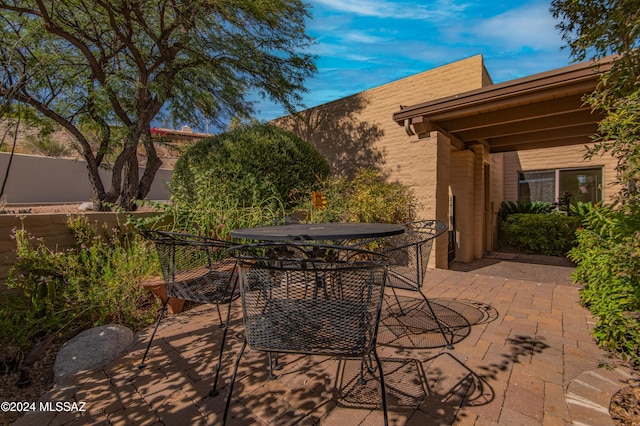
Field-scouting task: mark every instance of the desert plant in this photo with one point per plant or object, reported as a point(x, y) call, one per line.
point(214, 208)
point(366, 198)
point(63, 292)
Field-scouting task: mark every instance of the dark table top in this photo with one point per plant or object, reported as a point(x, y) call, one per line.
point(319, 231)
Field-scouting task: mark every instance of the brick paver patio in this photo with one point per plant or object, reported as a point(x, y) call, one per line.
point(525, 358)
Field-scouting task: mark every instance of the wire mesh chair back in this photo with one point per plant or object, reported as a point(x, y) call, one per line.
point(195, 268)
point(313, 299)
point(410, 253)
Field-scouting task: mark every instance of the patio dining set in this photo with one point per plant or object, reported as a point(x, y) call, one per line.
point(308, 289)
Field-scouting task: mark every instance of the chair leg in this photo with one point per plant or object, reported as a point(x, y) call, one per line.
point(233, 380)
point(214, 391)
point(395, 295)
point(222, 325)
point(435, 318)
point(271, 376)
point(361, 379)
point(160, 316)
point(383, 392)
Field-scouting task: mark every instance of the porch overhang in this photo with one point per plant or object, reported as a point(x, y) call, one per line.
point(539, 111)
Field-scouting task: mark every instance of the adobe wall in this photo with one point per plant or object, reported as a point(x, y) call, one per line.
point(35, 179)
point(52, 228)
point(358, 131)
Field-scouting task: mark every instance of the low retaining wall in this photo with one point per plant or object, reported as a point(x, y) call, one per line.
point(52, 228)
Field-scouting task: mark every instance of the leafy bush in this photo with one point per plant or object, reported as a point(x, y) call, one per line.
point(581, 210)
point(367, 198)
point(548, 234)
point(608, 264)
point(257, 159)
point(64, 292)
point(508, 208)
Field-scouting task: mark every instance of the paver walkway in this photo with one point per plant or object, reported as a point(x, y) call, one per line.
point(525, 357)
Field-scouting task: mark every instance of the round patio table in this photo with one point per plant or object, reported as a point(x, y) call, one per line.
point(319, 231)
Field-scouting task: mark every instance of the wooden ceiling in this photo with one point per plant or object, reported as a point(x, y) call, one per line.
point(539, 111)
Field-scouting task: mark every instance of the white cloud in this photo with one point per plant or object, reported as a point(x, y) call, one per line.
point(530, 26)
point(361, 37)
point(439, 10)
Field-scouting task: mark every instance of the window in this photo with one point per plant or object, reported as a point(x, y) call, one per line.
point(584, 185)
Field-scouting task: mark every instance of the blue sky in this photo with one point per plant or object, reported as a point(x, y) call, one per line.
point(366, 43)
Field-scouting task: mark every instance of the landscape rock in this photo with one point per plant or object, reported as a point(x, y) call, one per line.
point(86, 206)
point(92, 349)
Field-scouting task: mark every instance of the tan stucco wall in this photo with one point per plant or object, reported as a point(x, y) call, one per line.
point(554, 158)
point(462, 186)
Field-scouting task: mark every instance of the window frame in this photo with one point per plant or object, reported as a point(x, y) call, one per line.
point(557, 171)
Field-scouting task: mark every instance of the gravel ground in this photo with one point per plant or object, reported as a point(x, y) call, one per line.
point(41, 374)
point(52, 208)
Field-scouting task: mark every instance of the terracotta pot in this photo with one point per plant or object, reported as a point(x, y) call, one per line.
point(157, 287)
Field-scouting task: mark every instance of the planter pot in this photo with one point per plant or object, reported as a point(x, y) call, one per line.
point(157, 287)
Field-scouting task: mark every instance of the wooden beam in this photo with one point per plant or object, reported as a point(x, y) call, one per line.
point(531, 124)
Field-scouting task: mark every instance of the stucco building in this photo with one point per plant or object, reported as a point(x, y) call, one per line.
point(465, 144)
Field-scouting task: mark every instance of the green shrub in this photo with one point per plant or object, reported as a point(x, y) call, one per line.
point(63, 292)
point(250, 162)
point(508, 208)
point(607, 255)
point(366, 198)
point(548, 234)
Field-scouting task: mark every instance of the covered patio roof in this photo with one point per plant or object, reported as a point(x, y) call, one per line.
point(537, 111)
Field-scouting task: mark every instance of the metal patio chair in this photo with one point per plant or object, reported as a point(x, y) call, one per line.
point(311, 299)
point(410, 253)
point(197, 269)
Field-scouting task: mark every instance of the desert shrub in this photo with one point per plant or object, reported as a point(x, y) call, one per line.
point(366, 198)
point(607, 255)
point(63, 292)
point(548, 234)
point(213, 209)
point(257, 159)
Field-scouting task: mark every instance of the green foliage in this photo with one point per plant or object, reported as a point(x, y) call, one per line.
point(619, 133)
point(262, 161)
point(44, 144)
point(582, 210)
point(531, 207)
point(214, 209)
point(366, 198)
point(608, 250)
point(63, 292)
point(608, 264)
point(547, 234)
point(98, 64)
point(599, 29)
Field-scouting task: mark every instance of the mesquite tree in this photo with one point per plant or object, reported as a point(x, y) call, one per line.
point(104, 69)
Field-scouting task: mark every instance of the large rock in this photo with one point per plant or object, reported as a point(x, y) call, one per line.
point(92, 349)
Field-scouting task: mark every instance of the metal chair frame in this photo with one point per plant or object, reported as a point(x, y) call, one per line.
point(313, 299)
point(197, 269)
point(410, 252)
